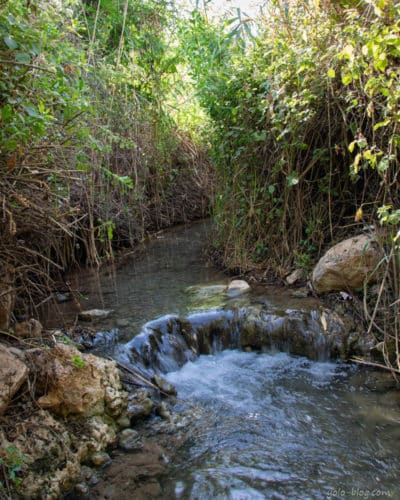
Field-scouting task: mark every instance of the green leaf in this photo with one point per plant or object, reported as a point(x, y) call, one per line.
point(259, 136)
point(78, 361)
point(110, 231)
point(6, 112)
point(23, 57)
point(383, 165)
point(347, 79)
point(293, 179)
point(11, 19)
point(31, 110)
point(10, 42)
point(382, 124)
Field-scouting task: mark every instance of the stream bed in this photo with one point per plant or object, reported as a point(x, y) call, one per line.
point(258, 424)
point(279, 426)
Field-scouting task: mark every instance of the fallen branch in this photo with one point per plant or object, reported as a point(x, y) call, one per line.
point(375, 365)
point(140, 377)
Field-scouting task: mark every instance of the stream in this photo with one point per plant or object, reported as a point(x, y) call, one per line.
point(260, 423)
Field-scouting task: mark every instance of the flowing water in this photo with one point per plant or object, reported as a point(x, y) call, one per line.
point(278, 426)
point(262, 424)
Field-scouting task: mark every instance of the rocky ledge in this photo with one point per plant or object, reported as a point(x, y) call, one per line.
point(61, 408)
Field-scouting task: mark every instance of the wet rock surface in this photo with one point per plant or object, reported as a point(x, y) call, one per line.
point(129, 440)
point(319, 333)
point(133, 475)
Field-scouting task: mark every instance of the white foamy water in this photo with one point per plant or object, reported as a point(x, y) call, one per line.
point(276, 426)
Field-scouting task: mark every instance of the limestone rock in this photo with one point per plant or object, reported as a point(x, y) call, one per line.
point(296, 276)
point(13, 373)
point(140, 404)
point(53, 451)
point(95, 314)
point(129, 440)
point(82, 490)
point(164, 386)
point(31, 329)
point(80, 384)
point(237, 287)
point(100, 458)
point(346, 265)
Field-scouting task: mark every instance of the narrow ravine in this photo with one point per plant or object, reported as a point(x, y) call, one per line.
point(246, 425)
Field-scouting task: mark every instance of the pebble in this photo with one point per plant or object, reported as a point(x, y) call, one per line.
point(129, 440)
point(124, 422)
point(82, 490)
point(163, 411)
point(100, 459)
point(140, 409)
point(164, 385)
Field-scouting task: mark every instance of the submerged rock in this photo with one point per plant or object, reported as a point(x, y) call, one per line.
point(13, 373)
point(347, 265)
point(129, 440)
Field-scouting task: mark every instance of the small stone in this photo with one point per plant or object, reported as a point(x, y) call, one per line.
point(86, 473)
point(124, 422)
point(140, 409)
point(94, 314)
point(129, 440)
point(295, 276)
point(31, 329)
point(237, 287)
point(82, 490)
point(247, 349)
point(63, 297)
point(163, 411)
point(164, 385)
point(99, 459)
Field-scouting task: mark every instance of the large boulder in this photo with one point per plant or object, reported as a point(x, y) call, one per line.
point(347, 265)
point(78, 384)
point(13, 373)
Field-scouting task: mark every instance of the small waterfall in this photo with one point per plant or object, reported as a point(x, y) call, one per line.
point(167, 343)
